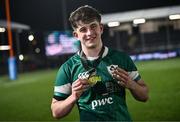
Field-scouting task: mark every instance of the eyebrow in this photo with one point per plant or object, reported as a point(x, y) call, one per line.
point(88, 24)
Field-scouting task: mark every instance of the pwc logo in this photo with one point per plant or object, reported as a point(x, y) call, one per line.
point(101, 102)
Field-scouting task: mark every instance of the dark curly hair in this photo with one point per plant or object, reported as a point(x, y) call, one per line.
point(84, 14)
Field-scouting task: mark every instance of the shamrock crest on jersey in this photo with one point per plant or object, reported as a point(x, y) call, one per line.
point(111, 68)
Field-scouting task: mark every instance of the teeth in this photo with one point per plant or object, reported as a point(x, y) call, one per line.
point(91, 38)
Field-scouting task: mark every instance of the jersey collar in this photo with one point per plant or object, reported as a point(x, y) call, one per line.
point(94, 58)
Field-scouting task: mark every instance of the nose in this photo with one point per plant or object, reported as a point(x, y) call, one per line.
point(89, 31)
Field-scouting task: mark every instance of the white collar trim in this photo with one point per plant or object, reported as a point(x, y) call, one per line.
point(94, 58)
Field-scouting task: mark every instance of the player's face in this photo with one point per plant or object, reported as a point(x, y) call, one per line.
point(89, 34)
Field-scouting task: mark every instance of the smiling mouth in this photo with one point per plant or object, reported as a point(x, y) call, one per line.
point(91, 39)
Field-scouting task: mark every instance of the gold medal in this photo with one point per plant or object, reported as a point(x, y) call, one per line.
point(92, 80)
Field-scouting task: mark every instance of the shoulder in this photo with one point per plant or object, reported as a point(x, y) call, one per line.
point(72, 61)
point(120, 58)
point(65, 70)
point(118, 54)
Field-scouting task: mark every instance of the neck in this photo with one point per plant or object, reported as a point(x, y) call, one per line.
point(92, 52)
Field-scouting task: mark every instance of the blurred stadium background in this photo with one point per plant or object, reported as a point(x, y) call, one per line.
point(42, 40)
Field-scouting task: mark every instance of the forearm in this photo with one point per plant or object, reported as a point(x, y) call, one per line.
point(139, 91)
point(62, 108)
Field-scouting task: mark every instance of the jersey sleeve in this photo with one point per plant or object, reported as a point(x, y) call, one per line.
point(62, 87)
point(132, 70)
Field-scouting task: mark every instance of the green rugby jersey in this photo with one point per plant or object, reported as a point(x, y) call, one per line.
point(104, 101)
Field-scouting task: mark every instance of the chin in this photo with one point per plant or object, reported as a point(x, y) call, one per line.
point(92, 46)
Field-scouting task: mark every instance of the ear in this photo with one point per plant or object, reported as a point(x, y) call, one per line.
point(75, 34)
point(101, 27)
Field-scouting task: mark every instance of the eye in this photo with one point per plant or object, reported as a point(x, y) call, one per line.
point(93, 26)
point(83, 30)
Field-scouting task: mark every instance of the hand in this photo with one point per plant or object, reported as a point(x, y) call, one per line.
point(123, 78)
point(78, 87)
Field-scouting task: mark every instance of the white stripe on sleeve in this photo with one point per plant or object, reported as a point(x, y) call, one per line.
point(65, 89)
point(133, 74)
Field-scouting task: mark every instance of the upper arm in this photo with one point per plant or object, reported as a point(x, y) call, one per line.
point(62, 86)
point(54, 101)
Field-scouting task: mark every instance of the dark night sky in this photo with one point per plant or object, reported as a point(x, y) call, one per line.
point(47, 14)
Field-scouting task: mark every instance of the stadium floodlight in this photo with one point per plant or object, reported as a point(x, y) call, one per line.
point(31, 37)
point(4, 47)
point(174, 16)
point(139, 21)
point(113, 24)
point(37, 50)
point(2, 30)
point(21, 57)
